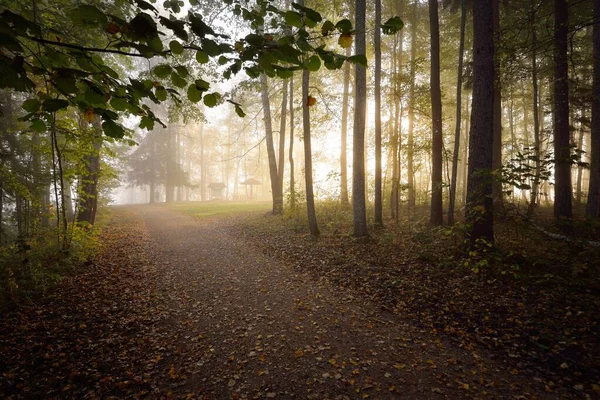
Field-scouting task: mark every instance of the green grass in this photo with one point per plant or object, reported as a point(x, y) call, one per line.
point(222, 208)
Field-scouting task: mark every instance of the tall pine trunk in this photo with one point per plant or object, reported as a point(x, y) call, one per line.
point(280, 160)
point(437, 214)
point(563, 208)
point(593, 204)
point(359, 204)
point(308, 173)
point(396, 138)
point(497, 115)
point(411, 109)
point(479, 210)
point(344, 139)
point(534, 196)
point(291, 150)
point(461, 53)
point(378, 191)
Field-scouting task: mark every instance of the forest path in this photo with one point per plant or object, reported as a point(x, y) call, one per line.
point(247, 326)
point(181, 307)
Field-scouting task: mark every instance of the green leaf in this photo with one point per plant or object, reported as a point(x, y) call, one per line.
point(327, 28)
point(284, 73)
point(293, 18)
point(344, 26)
point(201, 57)
point(210, 47)
point(193, 94)
point(211, 99)
point(31, 105)
point(10, 43)
point(160, 93)
point(109, 71)
point(162, 70)
point(202, 85)
point(199, 27)
point(176, 47)
point(182, 71)
point(313, 64)
point(178, 27)
point(223, 60)
point(37, 125)
point(88, 15)
point(143, 27)
point(177, 80)
point(94, 95)
point(52, 105)
point(360, 59)
point(147, 122)
point(239, 111)
point(119, 103)
point(392, 25)
point(66, 84)
point(112, 129)
point(311, 14)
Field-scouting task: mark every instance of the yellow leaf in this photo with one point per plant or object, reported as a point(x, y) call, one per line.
point(345, 40)
point(465, 386)
point(299, 353)
point(172, 372)
point(89, 115)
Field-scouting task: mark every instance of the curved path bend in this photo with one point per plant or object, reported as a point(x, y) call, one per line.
point(246, 326)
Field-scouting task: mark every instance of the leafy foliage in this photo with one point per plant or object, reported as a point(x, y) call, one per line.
point(76, 74)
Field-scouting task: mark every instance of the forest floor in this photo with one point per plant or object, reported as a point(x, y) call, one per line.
point(224, 307)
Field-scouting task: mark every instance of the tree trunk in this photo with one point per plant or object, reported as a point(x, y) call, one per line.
point(562, 172)
point(579, 168)
point(308, 174)
point(291, 151)
point(497, 117)
point(534, 199)
point(437, 214)
point(411, 109)
point(170, 176)
point(273, 173)
point(344, 145)
point(479, 210)
point(202, 165)
point(395, 140)
point(378, 173)
point(1, 211)
point(358, 152)
point(88, 197)
point(593, 204)
point(153, 171)
point(461, 52)
point(465, 155)
point(281, 159)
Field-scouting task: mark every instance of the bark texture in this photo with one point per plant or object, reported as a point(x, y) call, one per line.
point(358, 154)
point(479, 210)
point(563, 207)
point(593, 204)
point(437, 215)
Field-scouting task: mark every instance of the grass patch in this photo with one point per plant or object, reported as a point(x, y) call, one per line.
point(205, 209)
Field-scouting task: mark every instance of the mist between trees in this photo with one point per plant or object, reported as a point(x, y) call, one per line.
point(473, 108)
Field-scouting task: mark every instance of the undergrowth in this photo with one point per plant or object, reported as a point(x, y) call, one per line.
point(30, 267)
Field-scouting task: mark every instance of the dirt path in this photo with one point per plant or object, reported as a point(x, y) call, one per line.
point(255, 328)
point(180, 307)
